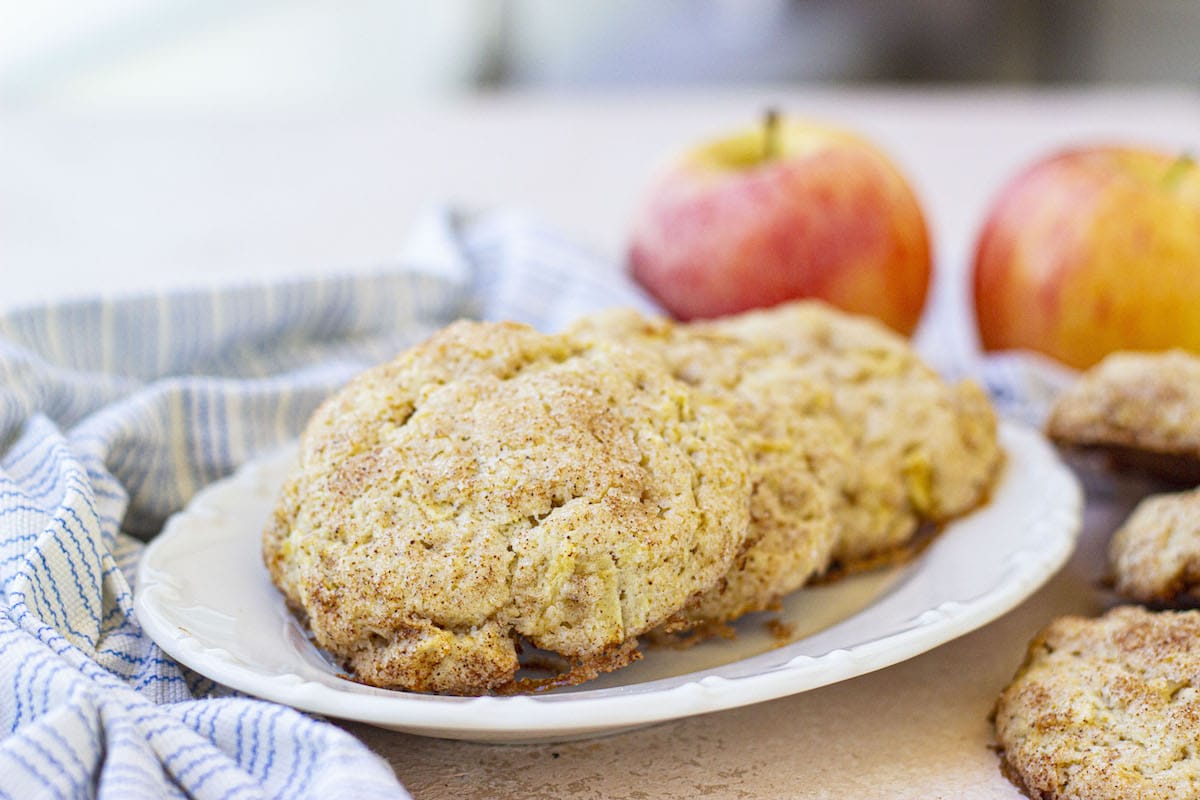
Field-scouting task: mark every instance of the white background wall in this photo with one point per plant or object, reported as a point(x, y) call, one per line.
point(325, 53)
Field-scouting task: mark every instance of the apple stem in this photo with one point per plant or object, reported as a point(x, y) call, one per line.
point(770, 134)
point(1177, 168)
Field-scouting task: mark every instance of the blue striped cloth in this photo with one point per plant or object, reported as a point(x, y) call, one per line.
point(114, 413)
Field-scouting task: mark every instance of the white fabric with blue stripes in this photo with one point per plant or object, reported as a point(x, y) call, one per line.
point(112, 415)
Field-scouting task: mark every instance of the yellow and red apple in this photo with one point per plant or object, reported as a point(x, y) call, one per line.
point(1093, 250)
point(788, 210)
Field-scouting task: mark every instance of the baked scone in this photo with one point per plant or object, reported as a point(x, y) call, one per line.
point(1155, 555)
point(1106, 708)
point(497, 483)
point(800, 458)
point(923, 449)
point(1141, 408)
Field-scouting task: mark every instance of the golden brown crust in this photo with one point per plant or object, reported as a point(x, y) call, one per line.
point(496, 482)
point(1144, 408)
point(1106, 708)
point(1155, 555)
point(923, 449)
point(834, 410)
point(576, 672)
point(800, 458)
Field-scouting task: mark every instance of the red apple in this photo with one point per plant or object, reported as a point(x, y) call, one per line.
point(1090, 251)
point(788, 210)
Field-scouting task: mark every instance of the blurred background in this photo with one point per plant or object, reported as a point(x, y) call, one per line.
point(159, 143)
point(321, 53)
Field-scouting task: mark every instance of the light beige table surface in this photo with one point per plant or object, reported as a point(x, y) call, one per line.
point(123, 202)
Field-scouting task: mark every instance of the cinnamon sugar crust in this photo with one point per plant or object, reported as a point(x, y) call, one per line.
point(1155, 555)
point(497, 484)
point(1106, 708)
point(1142, 408)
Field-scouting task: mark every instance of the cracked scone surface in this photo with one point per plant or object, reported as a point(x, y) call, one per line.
point(1139, 402)
point(799, 456)
point(924, 449)
point(1106, 708)
point(1155, 555)
point(496, 482)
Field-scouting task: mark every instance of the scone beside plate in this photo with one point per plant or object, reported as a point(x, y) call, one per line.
point(1142, 409)
point(1155, 555)
point(1106, 709)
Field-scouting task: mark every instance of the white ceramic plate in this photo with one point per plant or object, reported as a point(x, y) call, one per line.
point(205, 598)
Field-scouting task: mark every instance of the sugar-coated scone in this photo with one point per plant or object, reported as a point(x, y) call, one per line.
point(924, 449)
point(495, 483)
point(1155, 555)
point(1106, 709)
point(1144, 408)
point(800, 459)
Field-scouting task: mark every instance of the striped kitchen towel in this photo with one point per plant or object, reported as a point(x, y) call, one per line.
point(113, 414)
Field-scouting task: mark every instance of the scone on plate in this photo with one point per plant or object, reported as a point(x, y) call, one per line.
point(833, 409)
point(495, 486)
point(800, 457)
point(1106, 709)
point(1155, 555)
point(1141, 408)
point(923, 449)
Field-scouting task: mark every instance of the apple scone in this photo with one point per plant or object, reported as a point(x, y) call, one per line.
point(497, 486)
point(1106, 708)
point(1143, 409)
point(800, 457)
point(1155, 555)
point(924, 450)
